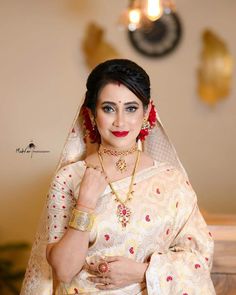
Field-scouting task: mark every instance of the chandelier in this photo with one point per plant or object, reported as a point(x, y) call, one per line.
point(140, 13)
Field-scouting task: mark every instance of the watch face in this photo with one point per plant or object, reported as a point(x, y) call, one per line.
point(159, 38)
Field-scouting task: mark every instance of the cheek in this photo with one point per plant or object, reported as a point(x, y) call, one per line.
point(136, 122)
point(103, 122)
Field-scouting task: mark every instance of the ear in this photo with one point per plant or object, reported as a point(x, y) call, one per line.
point(147, 110)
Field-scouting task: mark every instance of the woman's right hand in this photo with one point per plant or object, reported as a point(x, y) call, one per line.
point(92, 185)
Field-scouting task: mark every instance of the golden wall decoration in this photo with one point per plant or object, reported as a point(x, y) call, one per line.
point(96, 48)
point(216, 69)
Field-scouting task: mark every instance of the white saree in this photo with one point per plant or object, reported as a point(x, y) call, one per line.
point(166, 228)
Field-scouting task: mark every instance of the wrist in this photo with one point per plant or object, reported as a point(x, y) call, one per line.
point(85, 204)
point(141, 272)
point(84, 207)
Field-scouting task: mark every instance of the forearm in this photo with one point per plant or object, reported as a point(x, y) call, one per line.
point(67, 257)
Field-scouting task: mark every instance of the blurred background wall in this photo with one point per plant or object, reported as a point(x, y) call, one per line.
point(43, 74)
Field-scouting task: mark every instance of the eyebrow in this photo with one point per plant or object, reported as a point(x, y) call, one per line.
point(126, 103)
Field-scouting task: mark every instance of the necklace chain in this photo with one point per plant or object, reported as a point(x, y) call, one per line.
point(131, 183)
point(123, 212)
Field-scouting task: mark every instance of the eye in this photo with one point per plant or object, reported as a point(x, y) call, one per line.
point(131, 109)
point(108, 109)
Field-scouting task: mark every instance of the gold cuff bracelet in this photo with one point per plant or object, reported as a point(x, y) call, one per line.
point(81, 220)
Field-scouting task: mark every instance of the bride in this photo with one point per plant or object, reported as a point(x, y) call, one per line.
point(121, 216)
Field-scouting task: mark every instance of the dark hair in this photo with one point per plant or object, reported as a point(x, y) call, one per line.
point(123, 71)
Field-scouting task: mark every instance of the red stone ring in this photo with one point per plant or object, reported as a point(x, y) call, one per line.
point(103, 267)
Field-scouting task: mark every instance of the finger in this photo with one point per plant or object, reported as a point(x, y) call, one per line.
point(100, 280)
point(97, 168)
point(106, 287)
point(90, 166)
point(112, 258)
point(92, 267)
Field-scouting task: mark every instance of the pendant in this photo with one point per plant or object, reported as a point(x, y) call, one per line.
point(123, 214)
point(121, 165)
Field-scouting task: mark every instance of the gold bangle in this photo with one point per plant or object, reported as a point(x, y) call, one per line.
point(81, 220)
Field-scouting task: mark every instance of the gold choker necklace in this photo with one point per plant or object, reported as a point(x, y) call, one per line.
point(121, 165)
point(123, 212)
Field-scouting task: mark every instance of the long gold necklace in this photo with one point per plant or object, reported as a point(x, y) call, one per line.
point(121, 165)
point(123, 212)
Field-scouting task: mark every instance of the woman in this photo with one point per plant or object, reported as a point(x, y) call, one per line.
point(120, 220)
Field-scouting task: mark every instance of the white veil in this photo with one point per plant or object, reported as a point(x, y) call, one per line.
point(38, 278)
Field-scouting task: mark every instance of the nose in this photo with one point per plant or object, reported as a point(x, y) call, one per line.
point(119, 119)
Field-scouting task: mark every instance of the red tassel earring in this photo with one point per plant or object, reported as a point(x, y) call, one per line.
point(148, 124)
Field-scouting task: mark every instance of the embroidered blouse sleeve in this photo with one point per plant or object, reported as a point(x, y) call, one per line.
point(60, 202)
point(184, 268)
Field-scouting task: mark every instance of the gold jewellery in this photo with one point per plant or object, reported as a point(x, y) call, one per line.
point(123, 212)
point(81, 220)
point(121, 165)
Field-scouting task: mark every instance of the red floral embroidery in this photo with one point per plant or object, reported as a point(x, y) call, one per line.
point(206, 259)
point(185, 293)
point(131, 250)
point(189, 238)
point(197, 266)
point(107, 237)
point(169, 278)
point(147, 218)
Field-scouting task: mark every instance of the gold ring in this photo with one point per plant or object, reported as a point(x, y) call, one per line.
point(103, 267)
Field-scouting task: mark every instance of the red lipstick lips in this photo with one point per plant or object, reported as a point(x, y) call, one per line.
point(120, 133)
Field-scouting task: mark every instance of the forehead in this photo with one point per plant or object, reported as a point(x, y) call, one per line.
point(117, 93)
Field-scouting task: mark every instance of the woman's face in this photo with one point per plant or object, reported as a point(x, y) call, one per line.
point(119, 116)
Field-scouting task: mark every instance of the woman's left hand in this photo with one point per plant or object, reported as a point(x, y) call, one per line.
point(122, 272)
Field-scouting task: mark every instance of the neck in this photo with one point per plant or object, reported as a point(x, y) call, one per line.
point(127, 149)
point(113, 157)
